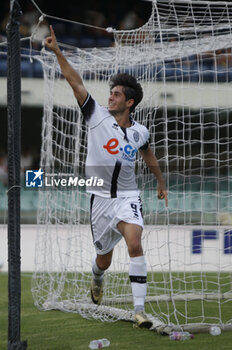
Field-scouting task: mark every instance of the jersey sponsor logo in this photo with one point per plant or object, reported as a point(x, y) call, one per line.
point(128, 152)
point(111, 146)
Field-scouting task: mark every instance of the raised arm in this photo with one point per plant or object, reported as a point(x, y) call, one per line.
point(72, 77)
point(152, 163)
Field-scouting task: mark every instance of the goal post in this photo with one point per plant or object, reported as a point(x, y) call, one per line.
point(14, 144)
point(183, 59)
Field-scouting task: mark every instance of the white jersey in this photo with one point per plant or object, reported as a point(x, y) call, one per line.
point(112, 151)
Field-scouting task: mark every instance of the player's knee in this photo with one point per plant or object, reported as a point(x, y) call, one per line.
point(103, 263)
point(135, 249)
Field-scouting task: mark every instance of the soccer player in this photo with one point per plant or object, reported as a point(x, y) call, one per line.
point(114, 138)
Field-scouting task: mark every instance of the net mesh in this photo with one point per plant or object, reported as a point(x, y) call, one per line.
point(182, 57)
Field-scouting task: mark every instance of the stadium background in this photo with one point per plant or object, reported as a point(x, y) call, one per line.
point(119, 15)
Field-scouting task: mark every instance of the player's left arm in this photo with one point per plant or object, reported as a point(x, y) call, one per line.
point(152, 163)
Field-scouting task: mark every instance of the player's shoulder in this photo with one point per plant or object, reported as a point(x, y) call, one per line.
point(92, 108)
point(139, 127)
point(101, 109)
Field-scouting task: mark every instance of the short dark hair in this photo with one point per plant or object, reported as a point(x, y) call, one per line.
point(131, 88)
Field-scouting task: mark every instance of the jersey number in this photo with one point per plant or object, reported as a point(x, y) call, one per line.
point(135, 210)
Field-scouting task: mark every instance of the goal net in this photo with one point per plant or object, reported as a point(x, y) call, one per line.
point(183, 59)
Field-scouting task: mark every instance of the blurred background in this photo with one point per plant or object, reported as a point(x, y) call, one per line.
point(119, 14)
point(206, 68)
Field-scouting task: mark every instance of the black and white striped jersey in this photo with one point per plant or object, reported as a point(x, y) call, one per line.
point(112, 151)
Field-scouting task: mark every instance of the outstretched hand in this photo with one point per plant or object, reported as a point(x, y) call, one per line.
point(51, 42)
point(162, 192)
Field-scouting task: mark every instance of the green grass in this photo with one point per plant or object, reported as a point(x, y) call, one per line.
point(55, 330)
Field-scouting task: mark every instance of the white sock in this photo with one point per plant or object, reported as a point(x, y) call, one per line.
point(97, 273)
point(138, 277)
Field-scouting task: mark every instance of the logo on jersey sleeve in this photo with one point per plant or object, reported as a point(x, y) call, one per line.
point(128, 152)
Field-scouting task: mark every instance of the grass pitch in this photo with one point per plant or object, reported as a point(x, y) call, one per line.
point(55, 330)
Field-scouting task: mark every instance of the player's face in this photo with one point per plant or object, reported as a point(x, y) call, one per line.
point(117, 101)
